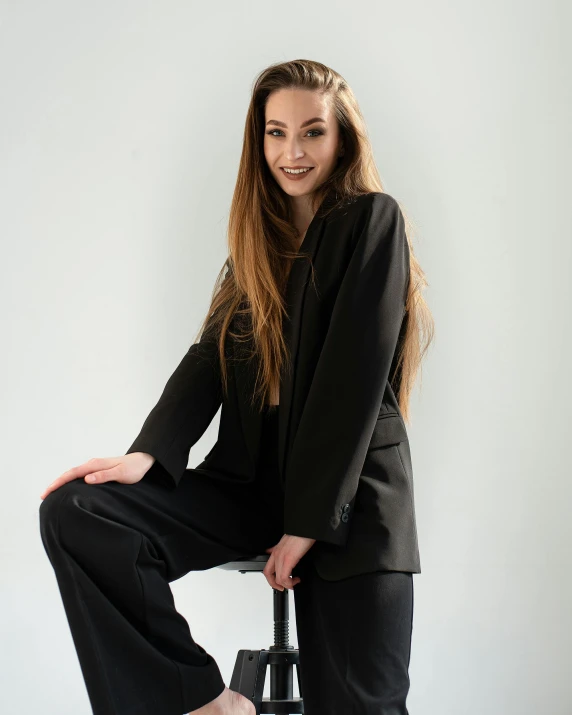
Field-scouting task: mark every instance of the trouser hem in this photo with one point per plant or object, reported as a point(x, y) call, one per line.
point(212, 685)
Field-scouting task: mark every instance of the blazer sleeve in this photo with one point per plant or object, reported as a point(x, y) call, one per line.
point(186, 407)
point(345, 396)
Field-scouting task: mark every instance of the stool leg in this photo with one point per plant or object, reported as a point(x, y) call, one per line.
point(299, 681)
point(281, 673)
point(249, 674)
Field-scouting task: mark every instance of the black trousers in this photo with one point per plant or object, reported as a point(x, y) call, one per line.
point(116, 547)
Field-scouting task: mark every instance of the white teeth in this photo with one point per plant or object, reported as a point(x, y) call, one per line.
point(295, 171)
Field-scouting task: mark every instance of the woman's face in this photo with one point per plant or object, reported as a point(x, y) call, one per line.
point(300, 132)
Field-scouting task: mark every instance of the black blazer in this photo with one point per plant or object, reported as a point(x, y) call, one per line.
point(343, 447)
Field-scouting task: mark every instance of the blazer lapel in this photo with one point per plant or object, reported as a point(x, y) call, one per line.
point(244, 370)
point(295, 291)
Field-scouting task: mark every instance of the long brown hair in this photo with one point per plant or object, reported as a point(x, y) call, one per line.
point(262, 238)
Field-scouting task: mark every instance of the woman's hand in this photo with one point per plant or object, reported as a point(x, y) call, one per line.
point(283, 558)
point(128, 469)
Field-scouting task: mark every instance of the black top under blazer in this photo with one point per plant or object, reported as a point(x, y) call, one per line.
point(344, 457)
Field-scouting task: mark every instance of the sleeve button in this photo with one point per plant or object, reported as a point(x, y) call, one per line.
point(345, 517)
point(346, 507)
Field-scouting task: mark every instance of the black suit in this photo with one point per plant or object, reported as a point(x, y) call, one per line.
point(344, 455)
point(335, 466)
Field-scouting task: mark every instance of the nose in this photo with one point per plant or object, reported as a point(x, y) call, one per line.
point(293, 151)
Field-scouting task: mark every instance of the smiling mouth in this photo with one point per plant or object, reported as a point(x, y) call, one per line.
point(299, 171)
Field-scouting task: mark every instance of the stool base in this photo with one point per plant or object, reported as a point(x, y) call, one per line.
point(248, 678)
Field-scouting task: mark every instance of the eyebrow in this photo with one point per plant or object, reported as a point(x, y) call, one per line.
point(304, 124)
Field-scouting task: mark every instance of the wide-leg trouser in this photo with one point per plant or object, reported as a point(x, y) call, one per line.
point(116, 547)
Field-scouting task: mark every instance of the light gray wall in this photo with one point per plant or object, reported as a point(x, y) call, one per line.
point(120, 132)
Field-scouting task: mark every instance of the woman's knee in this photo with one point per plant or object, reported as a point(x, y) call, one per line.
point(53, 508)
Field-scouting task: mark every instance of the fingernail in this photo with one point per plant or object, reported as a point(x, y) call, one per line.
point(91, 478)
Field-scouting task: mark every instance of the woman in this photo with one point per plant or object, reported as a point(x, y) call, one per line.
point(311, 345)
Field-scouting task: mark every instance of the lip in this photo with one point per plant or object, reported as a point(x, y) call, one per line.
point(296, 177)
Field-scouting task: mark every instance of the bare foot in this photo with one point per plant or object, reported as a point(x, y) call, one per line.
point(229, 702)
point(241, 705)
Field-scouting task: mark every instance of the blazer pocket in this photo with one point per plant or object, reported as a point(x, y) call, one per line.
point(389, 429)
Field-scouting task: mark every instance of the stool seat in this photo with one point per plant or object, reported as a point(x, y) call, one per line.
point(250, 668)
point(247, 563)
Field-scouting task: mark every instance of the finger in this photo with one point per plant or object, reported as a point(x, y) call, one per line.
point(57, 483)
point(97, 477)
point(112, 473)
point(268, 571)
point(283, 577)
point(286, 582)
point(75, 473)
point(283, 573)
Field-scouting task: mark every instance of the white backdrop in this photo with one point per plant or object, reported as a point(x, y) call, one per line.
point(120, 132)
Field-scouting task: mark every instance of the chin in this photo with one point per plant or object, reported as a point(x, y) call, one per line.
point(296, 189)
point(297, 192)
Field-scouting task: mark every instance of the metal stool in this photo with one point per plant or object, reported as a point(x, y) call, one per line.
point(249, 672)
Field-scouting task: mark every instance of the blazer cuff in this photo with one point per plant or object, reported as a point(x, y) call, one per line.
point(335, 531)
point(168, 467)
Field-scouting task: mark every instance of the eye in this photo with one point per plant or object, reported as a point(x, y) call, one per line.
point(271, 132)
